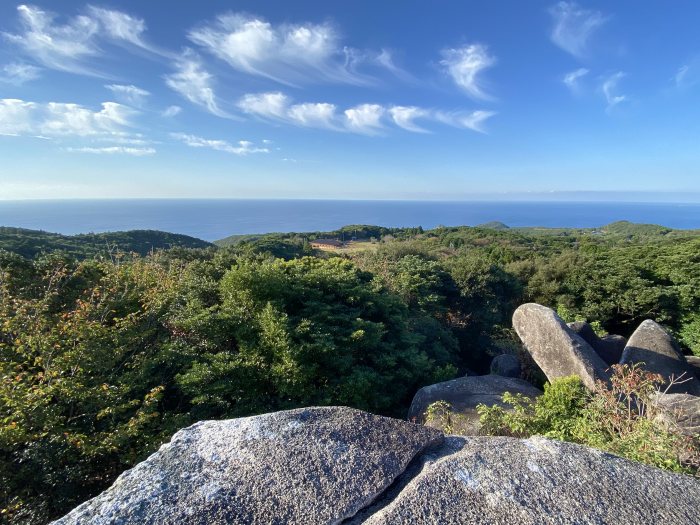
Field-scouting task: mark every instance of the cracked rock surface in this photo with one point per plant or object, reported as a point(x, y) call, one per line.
point(315, 465)
point(341, 465)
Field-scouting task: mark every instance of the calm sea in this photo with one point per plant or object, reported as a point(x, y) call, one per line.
point(215, 219)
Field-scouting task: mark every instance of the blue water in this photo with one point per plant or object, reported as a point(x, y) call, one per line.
point(215, 219)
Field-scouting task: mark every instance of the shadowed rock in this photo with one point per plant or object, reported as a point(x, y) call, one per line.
point(464, 394)
point(655, 348)
point(694, 361)
point(608, 347)
point(539, 481)
point(506, 365)
point(557, 350)
point(315, 465)
point(681, 411)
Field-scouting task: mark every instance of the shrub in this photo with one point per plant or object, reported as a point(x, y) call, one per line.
point(620, 419)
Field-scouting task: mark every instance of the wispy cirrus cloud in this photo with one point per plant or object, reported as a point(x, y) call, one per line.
point(609, 88)
point(473, 120)
point(367, 119)
point(571, 80)
point(74, 45)
point(405, 117)
point(465, 65)
point(573, 27)
point(241, 148)
point(291, 54)
point(195, 83)
point(171, 111)
point(113, 150)
point(129, 94)
point(18, 73)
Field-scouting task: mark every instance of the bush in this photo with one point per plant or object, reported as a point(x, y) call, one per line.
point(620, 419)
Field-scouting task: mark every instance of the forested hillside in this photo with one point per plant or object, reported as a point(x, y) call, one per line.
point(31, 243)
point(101, 360)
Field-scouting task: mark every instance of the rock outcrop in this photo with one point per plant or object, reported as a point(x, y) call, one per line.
point(681, 411)
point(506, 365)
point(316, 465)
point(556, 349)
point(464, 394)
point(331, 465)
point(694, 362)
point(656, 351)
point(535, 481)
point(608, 347)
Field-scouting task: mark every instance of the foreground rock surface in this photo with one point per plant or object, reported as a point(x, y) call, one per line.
point(556, 349)
point(608, 347)
point(331, 465)
point(539, 481)
point(651, 345)
point(316, 465)
point(464, 394)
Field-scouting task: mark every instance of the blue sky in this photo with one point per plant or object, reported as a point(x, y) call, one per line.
point(417, 100)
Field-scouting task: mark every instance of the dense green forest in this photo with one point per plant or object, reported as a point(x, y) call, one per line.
point(31, 243)
point(103, 358)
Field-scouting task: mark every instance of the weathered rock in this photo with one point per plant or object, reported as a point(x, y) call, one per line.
point(681, 411)
point(651, 345)
point(506, 365)
point(557, 350)
point(507, 481)
point(608, 347)
point(316, 465)
point(464, 394)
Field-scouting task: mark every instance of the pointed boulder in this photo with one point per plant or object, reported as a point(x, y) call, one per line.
point(557, 350)
point(658, 353)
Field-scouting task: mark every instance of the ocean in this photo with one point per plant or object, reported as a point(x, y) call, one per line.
point(212, 219)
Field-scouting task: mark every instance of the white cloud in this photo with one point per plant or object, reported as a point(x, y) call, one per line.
point(365, 118)
point(316, 115)
point(470, 120)
point(405, 116)
point(243, 147)
point(171, 111)
point(61, 47)
point(56, 119)
point(289, 54)
point(273, 105)
point(680, 75)
point(194, 83)
point(120, 26)
point(609, 89)
point(465, 66)
point(573, 27)
point(72, 45)
point(114, 150)
point(130, 94)
point(18, 73)
point(571, 79)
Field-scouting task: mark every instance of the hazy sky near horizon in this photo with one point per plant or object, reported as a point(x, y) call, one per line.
point(434, 100)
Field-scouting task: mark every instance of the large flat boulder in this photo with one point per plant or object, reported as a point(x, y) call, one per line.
point(464, 394)
point(539, 481)
point(556, 349)
point(656, 351)
point(315, 465)
point(609, 347)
